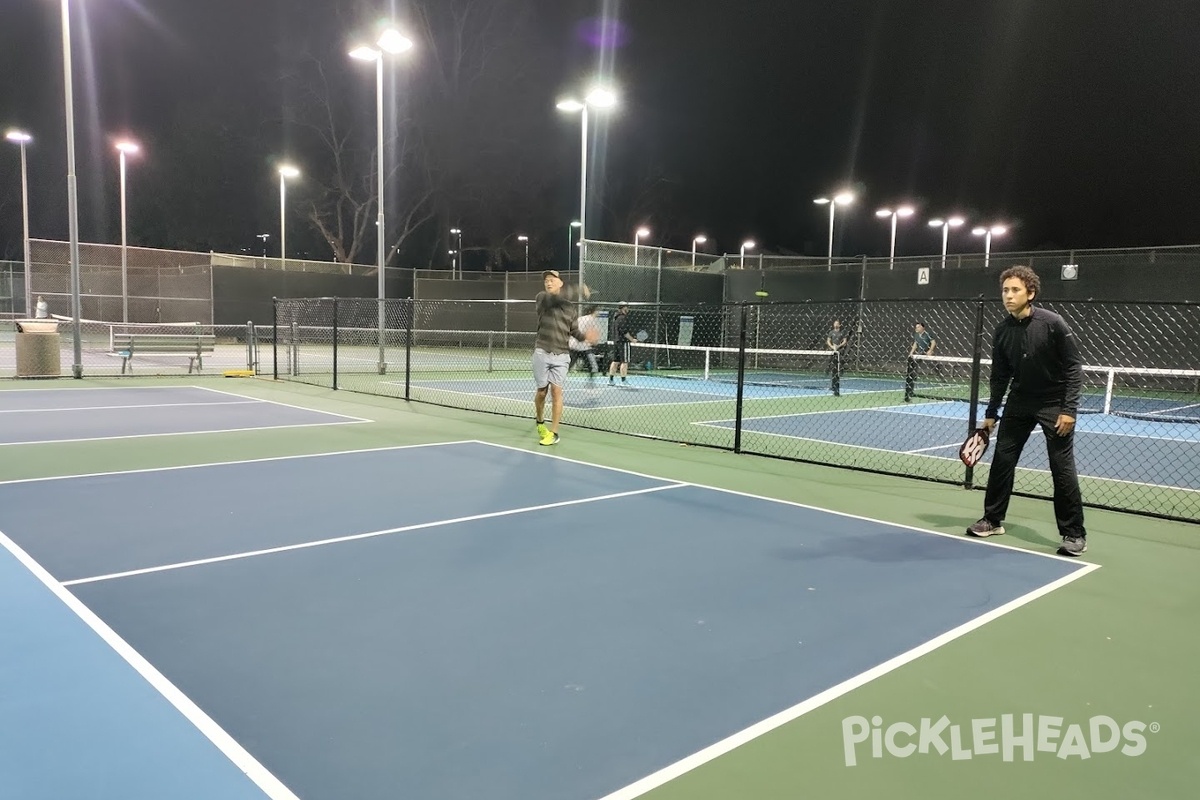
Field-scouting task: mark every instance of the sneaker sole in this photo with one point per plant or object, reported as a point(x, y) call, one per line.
point(992, 532)
point(1062, 551)
point(551, 442)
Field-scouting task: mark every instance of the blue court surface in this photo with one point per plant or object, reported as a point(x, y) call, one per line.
point(443, 621)
point(63, 415)
point(648, 389)
point(1117, 448)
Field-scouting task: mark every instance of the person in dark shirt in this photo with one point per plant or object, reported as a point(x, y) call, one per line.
point(621, 337)
point(836, 340)
point(923, 344)
point(1035, 359)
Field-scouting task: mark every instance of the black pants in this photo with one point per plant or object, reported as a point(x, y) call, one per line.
point(910, 377)
point(1013, 433)
point(835, 368)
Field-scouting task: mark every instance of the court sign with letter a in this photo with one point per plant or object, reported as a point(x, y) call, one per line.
point(923, 276)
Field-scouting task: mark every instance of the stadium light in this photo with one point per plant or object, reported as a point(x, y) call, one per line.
point(124, 148)
point(902, 211)
point(21, 138)
point(701, 239)
point(598, 97)
point(390, 41)
point(839, 199)
point(946, 225)
point(638, 235)
point(457, 232)
point(285, 171)
point(988, 233)
point(746, 245)
point(525, 239)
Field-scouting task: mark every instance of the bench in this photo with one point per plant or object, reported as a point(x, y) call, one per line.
point(193, 345)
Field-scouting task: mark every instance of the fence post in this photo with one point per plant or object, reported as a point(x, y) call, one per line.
point(275, 337)
point(973, 413)
point(335, 341)
point(408, 336)
point(741, 382)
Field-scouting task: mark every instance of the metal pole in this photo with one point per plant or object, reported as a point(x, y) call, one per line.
point(693, 253)
point(124, 254)
point(945, 239)
point(892, 255)
point(380, 229)
point(282, 223)
point(72, 191)
point(829, 261)
point(25, 222)
point(987, 249)
point(583, 192)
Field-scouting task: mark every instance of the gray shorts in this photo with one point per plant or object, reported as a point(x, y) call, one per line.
point(549, 367)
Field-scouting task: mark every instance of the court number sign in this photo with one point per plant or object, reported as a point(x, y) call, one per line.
point(923, 276)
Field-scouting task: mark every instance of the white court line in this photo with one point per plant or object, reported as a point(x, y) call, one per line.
point(118, 408)
point(952, 536)
point(730, 743)
point(264, 460)
point(735, 741)
point(277, 403)
point(228, 746)
point(344, 421)
point(357, 536)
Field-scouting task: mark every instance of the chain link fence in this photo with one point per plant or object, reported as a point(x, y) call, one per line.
point(782, 380)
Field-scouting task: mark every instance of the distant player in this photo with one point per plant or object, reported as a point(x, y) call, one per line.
point(923, 344)
point(621, 337)
point(581, 349)
point(836, 340)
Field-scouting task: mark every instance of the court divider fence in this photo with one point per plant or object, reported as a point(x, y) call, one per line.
point(763, 379)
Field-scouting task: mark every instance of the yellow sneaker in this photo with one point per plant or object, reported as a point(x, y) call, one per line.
point(549, 439)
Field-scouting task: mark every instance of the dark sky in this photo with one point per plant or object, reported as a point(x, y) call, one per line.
point(1076, 121)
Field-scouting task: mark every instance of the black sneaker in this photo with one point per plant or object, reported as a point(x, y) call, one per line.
point(1073, 546)
point(984, 528)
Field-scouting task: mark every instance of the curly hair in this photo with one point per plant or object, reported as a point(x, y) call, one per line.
point(1025, 275)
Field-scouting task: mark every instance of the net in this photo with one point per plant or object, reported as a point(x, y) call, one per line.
point(1170, 395)
point(794, 368)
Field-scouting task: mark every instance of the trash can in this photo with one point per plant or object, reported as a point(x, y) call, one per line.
point(38, 348)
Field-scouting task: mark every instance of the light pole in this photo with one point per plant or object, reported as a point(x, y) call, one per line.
point(701, 239)
point(746, 245)
point(124, 148)
point(525, 239)
point(839, 199)
point(390, 41)
point(457, 232)
point(946, 225)
point(72, 190)
point(988, 233)
point(22, 138)
point(571, 243)
point(285, 171)
point(637, 236)
point(902, 211)
point(599, 98)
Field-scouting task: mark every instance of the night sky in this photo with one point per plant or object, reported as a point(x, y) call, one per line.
point(1077, 122)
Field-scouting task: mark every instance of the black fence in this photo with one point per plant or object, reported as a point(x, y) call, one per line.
point(783, 380)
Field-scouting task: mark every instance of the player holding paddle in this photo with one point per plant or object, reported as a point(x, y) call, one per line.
point(558, 320)
point(1035, 351)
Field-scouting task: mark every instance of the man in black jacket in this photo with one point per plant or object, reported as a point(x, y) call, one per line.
point(1034, 350)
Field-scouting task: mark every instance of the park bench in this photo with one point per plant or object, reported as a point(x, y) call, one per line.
point(192, 345)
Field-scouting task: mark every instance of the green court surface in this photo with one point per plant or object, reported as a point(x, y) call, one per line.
point(1117, 644)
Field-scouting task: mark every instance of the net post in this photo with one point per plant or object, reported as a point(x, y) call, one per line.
point(741, 382)
point(973, 413)
point(491, 366)
point(275, 337)
point(408, 335)
point(251, 347)
point(335, 342)
point(1108, 391)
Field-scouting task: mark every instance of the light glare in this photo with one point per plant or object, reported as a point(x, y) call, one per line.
point(20, 137)
point(392, 41)
point(288, 171)
point(364, 53)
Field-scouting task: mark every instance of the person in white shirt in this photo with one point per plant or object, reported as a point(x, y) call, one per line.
point(582, 350)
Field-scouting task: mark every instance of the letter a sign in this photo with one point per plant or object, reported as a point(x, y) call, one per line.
point(923, 276)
